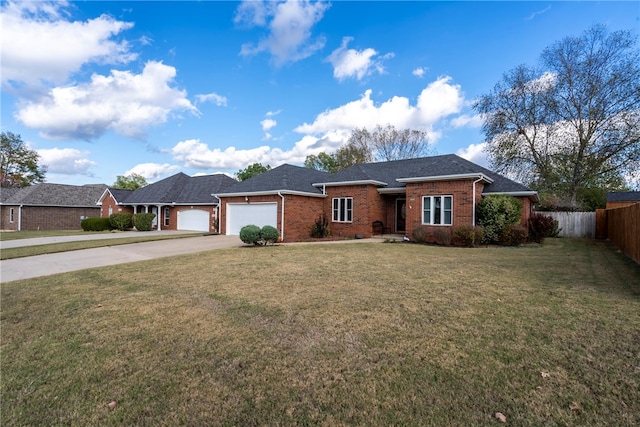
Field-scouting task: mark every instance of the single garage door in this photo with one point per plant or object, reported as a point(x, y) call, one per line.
point(194, 219)
point(241, 214)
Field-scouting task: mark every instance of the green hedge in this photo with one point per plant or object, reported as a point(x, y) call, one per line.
point(254, 235)
point(495, 212)
point(95, 224)
point(143, 221)
point(121, 221)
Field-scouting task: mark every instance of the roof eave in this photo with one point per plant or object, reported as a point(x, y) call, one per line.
point(533, 195)
point(343, 183)
point(270, 193)
point(481, 176)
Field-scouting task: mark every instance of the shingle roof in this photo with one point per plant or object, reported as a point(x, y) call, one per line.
point(283, 178)
point(450, 164)
point(623, 196)
point(47, 194)
point(178, 189)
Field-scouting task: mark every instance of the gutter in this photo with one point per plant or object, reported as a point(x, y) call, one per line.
point(474, 199)
point(20, 217)
point(281, 217)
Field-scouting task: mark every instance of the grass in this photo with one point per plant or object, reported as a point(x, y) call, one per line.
point(26, 251)
point(356, 334)
point(30, 234)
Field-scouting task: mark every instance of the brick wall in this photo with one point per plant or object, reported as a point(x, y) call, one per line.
point(109, 202)
point(368, 206)
point(54, 218)
point(5, 218)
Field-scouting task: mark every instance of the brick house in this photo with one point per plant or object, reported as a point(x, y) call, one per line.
point(180, 202)
point(48, 206)
point(436, 192)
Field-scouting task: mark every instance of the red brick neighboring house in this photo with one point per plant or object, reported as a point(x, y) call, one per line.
point(437, 192)
point(180, 202)
point(48, 206)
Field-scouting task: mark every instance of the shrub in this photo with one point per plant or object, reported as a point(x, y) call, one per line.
point(513, 235)
point(321, 227)
point(250, 234)
point(495, 212)
point(541, 226)
point(469, 236)
point(143, 221)
point(443, 236)
point(95, 224)
point(121, 221)
point(269, 235)
point(420, 234)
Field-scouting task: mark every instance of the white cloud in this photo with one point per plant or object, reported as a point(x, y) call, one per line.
point(39, 44)
point(289, 24)
point(437, 101)
point(268, 124)
point(66, 161)
point(219, 100)
point(122, 102)
point(475, 153)
point(466, 120)
point(352, 63)
point(153, 171)
point(419, 72)
point(539, 12)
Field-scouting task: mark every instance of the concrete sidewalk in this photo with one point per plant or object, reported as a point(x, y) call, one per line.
point(63, 262)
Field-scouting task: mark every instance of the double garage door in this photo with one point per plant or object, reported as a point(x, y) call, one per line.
point(193, 220)
point(241, 214)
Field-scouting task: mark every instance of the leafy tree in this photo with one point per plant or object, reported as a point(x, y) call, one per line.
point(352, 153)
point(130, 182)
point(323, 162)
point(251, 171)
point(574, 121)
point(18, 164)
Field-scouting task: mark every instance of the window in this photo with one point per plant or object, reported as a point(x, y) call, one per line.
point(343, 209)
point(11, 215)
point(437, 210)
point(110, 210)
point(166, 216)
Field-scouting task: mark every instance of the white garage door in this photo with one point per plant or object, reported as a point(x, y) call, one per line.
point(194, 219)
point(241, 214)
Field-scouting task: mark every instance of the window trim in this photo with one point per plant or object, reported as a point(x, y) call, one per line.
point(11, 215)
point(432, 213)
point(342, 207)
point(167, 215)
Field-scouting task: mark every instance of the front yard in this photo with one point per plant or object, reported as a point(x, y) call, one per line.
point(331, 334)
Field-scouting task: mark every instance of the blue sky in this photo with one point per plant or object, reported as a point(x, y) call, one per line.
point(102, 89)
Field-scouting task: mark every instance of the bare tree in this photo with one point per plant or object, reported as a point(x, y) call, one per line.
point(388, 143)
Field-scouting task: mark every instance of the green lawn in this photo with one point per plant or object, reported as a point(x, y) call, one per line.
point(367, 334)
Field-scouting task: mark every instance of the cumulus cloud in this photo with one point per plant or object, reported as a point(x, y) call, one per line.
point(66, 161)
point(438, 100)
point(353, 63)
point(122, 102)
point(475, 153)
point(268, 124)
point(289, 24)
point(41, 45)
point(419, 72)
point(466, 120)
point(153, 171)
point(219, 100)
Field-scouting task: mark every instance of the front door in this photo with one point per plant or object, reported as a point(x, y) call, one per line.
point(401, 215)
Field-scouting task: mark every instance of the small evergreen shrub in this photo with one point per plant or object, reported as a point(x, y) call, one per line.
point(420, 234)
point(321, 227)
point(121, 221)
point(495, 212)
point(513, 235)
point(469, 236)
point(143, 221)
point(443, 236)
point(541, 226)
point(250, 234)
point(95, 224)
point(269, 235)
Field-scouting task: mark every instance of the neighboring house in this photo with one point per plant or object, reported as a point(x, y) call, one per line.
point(180, 202)
point(438, 191)
point(619, 199)
point(48, 206)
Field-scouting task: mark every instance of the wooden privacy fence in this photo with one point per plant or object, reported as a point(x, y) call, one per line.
point(623, 229)
point(575, 224)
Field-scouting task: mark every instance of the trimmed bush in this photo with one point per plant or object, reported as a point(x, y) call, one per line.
point(143, 221)
point(269, 235)
point(443, 236)
point(250, 234)
point(495, 212)
point(95, 224)
point(513, 235)
point(420, 234)
point(469, 236)
point(541, 226)
point(121, 221)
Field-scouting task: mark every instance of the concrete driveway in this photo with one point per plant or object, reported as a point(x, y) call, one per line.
point(63, 262)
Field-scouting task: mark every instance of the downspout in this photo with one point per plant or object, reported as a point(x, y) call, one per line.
point(281, 217)
point(20, 217)
point(474, 200)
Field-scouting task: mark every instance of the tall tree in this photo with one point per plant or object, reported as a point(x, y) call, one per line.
point(18, 164)
point(571, 122)
point(388, 143)
point(132, 181)
point(323, 162)
point(352, 153)
point(251, 171)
